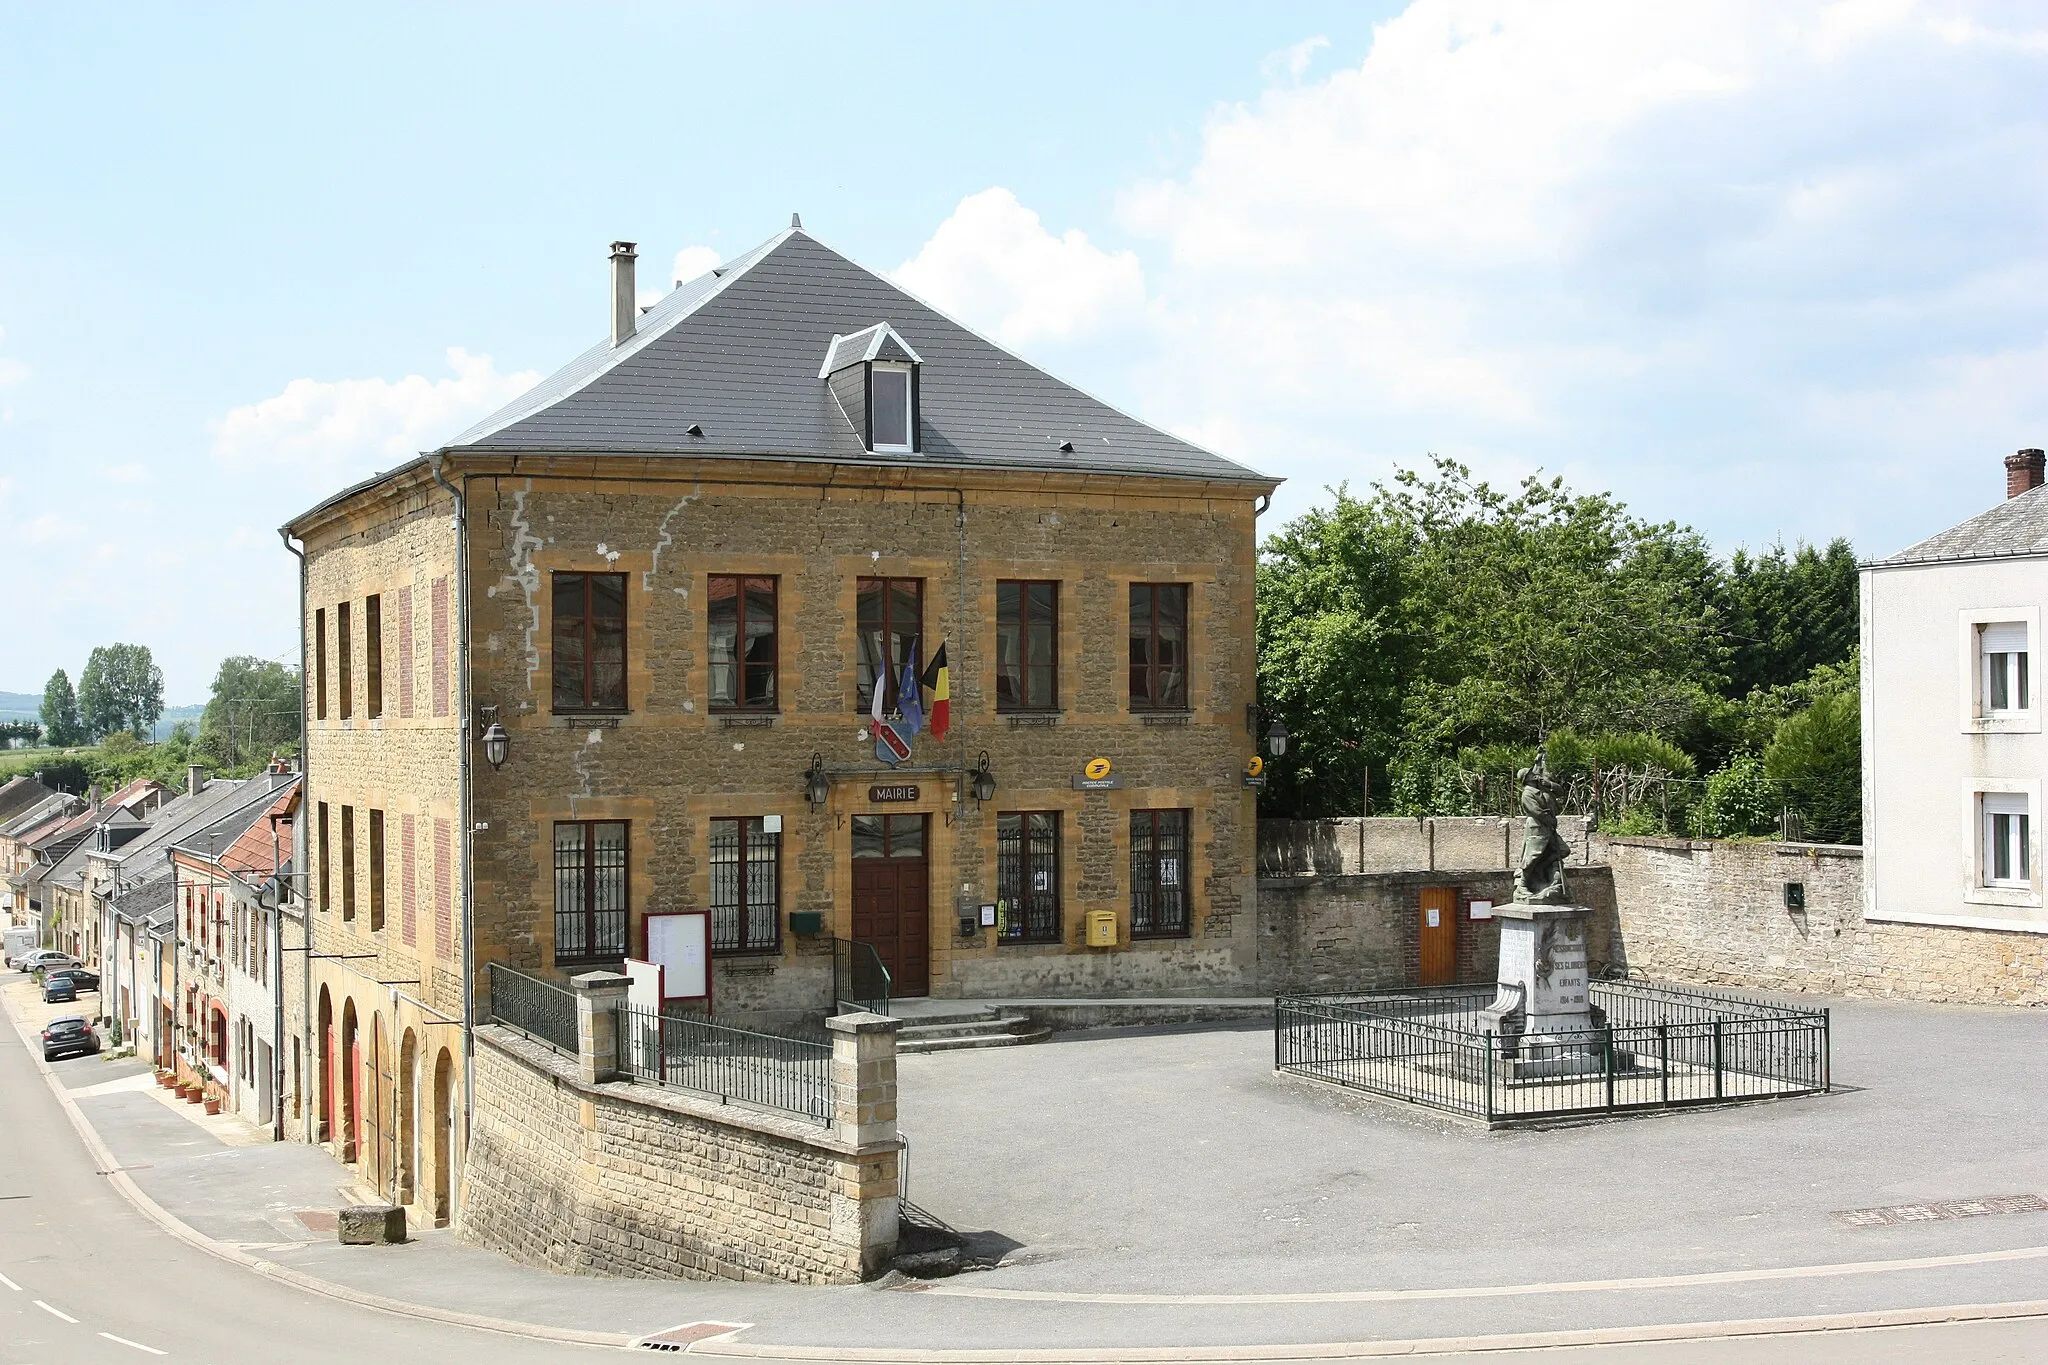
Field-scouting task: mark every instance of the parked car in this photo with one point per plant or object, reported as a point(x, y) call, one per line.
point(43, 959)
point(80, 978)
point(59, 991)
point(68, 1037)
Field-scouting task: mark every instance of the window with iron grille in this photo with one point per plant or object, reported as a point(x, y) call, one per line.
point(1027, 646)
point(746, 886)
point(590, 641)
point(320, 665)
point(348, 862)
point(373, 656)
point(1159, 646)
point(1028, 876)
point(376, 871)
point(345, 657)
point(890, 614)
point(1159, 873)
point(590, 891)
point(742, 610)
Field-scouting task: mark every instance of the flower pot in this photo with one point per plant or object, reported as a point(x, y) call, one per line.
point(191, 1094)
point(166, 1079)
point(212, 1104)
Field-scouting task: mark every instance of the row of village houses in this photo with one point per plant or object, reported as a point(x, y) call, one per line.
point(181, 902)
point(794, 611)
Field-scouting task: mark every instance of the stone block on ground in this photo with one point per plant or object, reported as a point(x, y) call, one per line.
point(371, 1225)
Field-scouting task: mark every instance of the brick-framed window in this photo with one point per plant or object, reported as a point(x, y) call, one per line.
point(590, 891)
point(326, 863)
point(746, 886)
point(1159, 646)
point(743, 611)
point(404, 624)
point(373, 656)
point(1159, 873)
point(320, 664)
point(348, 863)
point(376, 871)
point(1028, 876)
point(408, 879)
point(440, 685)
point(344, 657)
point(590, 641)
point(1027, 645)
point(889, 616)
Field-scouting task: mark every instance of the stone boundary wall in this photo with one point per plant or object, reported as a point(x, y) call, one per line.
point(1715, 913)
point(623, 1179)
point(1349, 846)
point(1343, 933)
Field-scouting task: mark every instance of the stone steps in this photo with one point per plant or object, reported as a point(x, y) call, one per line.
point(959, 1031)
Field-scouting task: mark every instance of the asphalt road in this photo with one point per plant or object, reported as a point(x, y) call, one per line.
point(86, 1279)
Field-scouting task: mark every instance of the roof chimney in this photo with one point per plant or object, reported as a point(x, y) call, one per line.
point(2023, 471)
point(624, 309)
point(195, 779)
point(93, 793)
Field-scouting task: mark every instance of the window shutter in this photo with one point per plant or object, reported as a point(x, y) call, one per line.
point(2004, 637)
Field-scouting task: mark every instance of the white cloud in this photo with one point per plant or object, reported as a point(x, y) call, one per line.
point(693, 261)
point(131, 473)
point(1293, 61)
point(329, 432)
point(48, 529)
point(994, 266)
point(1640, 244)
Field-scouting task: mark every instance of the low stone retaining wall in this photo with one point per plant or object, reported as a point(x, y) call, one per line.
point(1716, 913)
point(1349, 846)
point(614, 1178)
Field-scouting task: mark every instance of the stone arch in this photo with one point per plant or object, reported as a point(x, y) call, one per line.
point(408, 1106)
point(351, 1106)
point(323, 1099)
point(440, 1202)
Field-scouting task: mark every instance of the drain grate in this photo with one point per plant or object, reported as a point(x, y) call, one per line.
point(1893, 1215)
point(681, 1338)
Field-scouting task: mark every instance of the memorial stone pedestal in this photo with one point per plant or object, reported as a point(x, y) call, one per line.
point(1543, 991)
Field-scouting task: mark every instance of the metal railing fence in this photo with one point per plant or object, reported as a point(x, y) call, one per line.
point(1661, 1047)
point(542, 1011)
point(859, 980)
point(738, 1066)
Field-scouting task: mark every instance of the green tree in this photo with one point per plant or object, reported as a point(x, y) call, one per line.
point(1817, 759)
point(1787, 614)
point(60, 711)
point(254, 708)
point(121, 688)
point(1740, 799)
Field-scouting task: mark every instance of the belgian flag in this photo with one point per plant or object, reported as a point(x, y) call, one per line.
point(938, 711)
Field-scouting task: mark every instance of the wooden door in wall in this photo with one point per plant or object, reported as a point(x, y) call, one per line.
point(891, 897)
point(1438, 921)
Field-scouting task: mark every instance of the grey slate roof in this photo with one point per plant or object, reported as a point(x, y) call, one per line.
point(144, 902)
point(2017, 526)
point(738, 353)
point(211, 838)
point(19, 794)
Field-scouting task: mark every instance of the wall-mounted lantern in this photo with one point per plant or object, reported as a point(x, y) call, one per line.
point(817, 786)
point(497, 740)
point(984, 781)
point(1276, 733)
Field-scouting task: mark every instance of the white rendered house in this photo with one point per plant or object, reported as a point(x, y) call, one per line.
point(1953, 749)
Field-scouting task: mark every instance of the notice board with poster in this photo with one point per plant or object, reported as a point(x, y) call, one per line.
point(680, 944)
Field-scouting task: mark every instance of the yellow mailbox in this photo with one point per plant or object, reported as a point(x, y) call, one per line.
point(1102, 928)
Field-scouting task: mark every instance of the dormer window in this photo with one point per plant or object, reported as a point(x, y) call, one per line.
point(889, 408)
point(873, 375)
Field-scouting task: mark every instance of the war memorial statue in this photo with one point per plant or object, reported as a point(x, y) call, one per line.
point(1542, 1000)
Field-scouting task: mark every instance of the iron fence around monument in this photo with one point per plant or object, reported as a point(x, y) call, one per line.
point(1658, 1047)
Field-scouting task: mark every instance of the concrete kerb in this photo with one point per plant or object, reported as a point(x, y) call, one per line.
point(726, 1346)
point(312, 1284)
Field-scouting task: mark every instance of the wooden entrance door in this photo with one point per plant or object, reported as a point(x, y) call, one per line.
point(1438, 917)
point(891, 897)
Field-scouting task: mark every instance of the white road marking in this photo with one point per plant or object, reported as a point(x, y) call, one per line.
point(136, 1344)
point(10, 1284)
point(57, 1311)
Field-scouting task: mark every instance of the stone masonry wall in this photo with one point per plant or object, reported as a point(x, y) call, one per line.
point(669, 765)
point(1715, 913)
point(1393, 843)
point(1345, 933)
point(618, 1179)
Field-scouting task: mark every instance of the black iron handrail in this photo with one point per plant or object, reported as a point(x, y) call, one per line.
point(539, 1009)
point(859, 980)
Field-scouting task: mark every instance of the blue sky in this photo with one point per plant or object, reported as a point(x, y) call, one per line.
point(1773, 270)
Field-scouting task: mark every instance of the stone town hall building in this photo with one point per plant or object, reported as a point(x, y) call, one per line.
point(673, 572)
